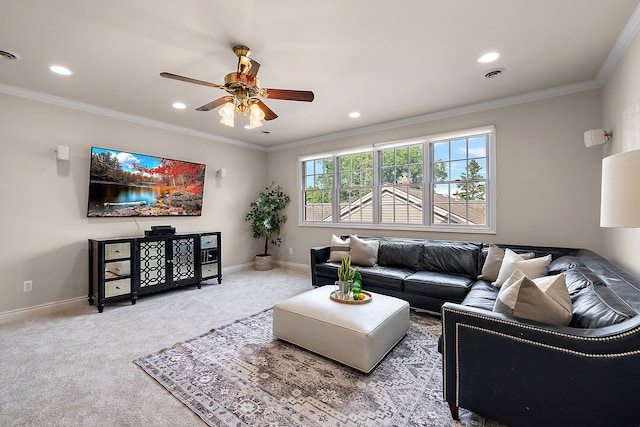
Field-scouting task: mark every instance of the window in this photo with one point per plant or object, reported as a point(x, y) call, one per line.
point(444, 182)
point(459, 181)
point(318, 189)
point(401, 190)
point(356, 187)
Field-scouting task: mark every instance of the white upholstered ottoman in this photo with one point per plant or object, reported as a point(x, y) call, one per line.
point(358, 335)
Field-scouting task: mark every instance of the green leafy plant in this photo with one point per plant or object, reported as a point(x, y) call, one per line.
point(345, 272)
point(265, 215)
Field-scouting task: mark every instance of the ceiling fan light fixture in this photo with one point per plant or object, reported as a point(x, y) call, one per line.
point(256, 116)
point(227, 113)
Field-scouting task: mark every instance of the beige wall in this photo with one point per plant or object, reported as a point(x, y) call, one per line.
point(45, 228)
point(548, 185)
point(621, 115)
point(548, 182)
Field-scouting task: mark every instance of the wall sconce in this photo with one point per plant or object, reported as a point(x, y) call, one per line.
point(620, 197)
point(596, 137)
point(62, 152)
point(221, 173)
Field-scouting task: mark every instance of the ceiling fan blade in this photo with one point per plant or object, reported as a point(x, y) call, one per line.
point(248, 66)
point(290, 95)
point(190, 80)
point(268, 114)
point(214, 104)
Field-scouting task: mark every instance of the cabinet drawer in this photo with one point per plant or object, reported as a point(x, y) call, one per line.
point(114, 269)
point(209, 255)
point(117, 250)
point(114, 288)
point(210, 270)
point(209, 241)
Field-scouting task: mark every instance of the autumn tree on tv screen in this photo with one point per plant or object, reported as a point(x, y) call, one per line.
point(130, 184)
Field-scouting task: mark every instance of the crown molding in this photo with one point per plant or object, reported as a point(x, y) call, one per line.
point(622, 44)
point(452, 112)
point(118, 115)
point(627, 35)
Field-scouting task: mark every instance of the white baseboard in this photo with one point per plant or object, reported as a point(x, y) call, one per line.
point(54, 307)
point(41, 310)
point(293, 265)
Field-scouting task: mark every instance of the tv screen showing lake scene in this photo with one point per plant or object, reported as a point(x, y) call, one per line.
point(130, 184)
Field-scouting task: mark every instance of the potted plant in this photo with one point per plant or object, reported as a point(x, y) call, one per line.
point(266, 219)
point(345, 278)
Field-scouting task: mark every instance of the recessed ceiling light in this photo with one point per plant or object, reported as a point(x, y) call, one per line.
point(354, 115)
point(59, 69)
point(488, 57)
point(179, 106)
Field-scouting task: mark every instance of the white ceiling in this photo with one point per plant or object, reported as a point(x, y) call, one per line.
point(389, 60)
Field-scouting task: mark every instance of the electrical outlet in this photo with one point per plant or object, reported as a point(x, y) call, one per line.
point(290, 251)
point(27, 286)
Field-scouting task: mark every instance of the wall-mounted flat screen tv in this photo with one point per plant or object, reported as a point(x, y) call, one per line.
point(130, 184)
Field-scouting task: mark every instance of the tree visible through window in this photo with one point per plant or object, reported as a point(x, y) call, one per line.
point(460, 181)
point(356, 187)
point(401, 195)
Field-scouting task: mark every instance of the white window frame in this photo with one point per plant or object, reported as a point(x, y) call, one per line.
point(491, 185)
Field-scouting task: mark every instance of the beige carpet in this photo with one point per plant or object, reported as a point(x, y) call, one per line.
point(75, 368)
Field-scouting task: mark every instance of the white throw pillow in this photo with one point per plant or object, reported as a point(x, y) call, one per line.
point(532, 268)
point(339, 248)
point(545, 299)
point(493, 262)
point(364, 252)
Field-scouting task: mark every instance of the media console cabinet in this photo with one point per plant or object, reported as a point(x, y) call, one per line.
point(128, 267)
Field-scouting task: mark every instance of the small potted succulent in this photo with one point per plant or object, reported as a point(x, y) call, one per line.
point(345, 278)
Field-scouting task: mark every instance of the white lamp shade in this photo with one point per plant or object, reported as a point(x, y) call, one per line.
point(620, 197)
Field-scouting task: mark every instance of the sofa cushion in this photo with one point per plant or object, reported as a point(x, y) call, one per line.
point(564, 263)
point(339, 248)
point(482, 295)
point(400, 253)
point(493, 262)
point(450, 287)
point(363, 252)
point(577, 279)
point(451, 257)
point(545, 299)
point(383, 277)
point(595, 305)
point(532, 268)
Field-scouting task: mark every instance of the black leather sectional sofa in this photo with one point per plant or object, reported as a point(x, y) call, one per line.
point(516, 371)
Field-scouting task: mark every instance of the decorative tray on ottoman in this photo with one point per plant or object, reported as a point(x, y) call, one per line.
point(367, 298)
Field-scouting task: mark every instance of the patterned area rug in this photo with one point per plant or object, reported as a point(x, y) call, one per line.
point(241, 375)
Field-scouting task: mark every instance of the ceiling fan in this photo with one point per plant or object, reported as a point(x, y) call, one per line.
point(244, 88)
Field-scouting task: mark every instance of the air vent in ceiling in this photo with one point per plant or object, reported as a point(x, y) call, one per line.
point(9, 55)
point(494, 73)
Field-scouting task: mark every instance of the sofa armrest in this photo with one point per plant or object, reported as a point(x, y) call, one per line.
point(319, 255)
point(526, 373)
